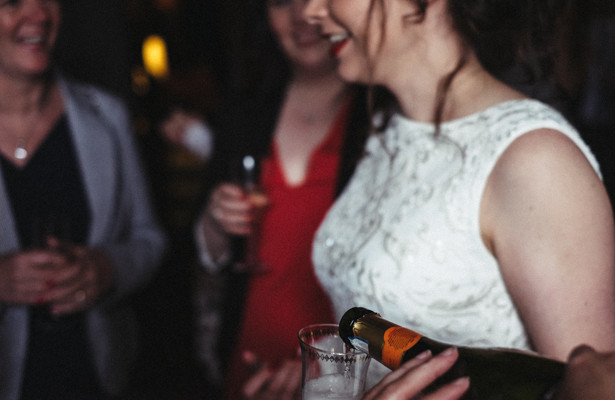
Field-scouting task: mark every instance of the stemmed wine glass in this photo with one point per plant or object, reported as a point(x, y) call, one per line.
point(245, 247)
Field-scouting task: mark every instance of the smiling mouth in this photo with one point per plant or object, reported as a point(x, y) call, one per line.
point(32, 40)
point(338, 41)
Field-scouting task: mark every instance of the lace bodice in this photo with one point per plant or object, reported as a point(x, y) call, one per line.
point(404, 238)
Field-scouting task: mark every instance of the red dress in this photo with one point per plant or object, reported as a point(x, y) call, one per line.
point(288, 297)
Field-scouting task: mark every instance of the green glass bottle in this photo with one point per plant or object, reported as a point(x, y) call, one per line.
point(495, 373)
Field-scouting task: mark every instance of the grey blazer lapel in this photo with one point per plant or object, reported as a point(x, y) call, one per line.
point(8, 233)
point(95, 142)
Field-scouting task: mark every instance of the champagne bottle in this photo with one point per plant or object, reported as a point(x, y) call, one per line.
point(495, 373)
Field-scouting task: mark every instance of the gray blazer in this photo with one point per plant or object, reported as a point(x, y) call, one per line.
point(122, 225)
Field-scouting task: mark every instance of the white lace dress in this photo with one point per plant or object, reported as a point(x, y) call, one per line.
point(403, 239)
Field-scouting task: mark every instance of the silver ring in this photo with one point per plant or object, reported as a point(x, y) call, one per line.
point(80, 296)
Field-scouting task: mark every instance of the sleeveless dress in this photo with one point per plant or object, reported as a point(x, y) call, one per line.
point(404, 238)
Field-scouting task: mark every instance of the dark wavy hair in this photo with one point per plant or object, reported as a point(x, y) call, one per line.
point(503, 34)
point(257, 63)
point(258, 75)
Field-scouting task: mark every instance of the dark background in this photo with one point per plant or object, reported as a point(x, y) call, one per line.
point(101, 42)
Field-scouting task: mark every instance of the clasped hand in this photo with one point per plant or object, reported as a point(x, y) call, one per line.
point(235, 210)
point(64, 276)
point(266, 383)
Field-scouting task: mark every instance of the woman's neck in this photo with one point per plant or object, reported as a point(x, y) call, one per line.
point(23, 97)
point(472, 89)
point(310, 106)
point(326, 83)
point(317, 94)
point(28, 110)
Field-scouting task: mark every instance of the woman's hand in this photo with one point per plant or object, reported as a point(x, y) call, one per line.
point(189, 131)
point(589, 375)
point(415, 375)
point(234, 210)
point(83, 276)
point(175, 126)
point(230, 210)
point(26, 276)
point(64, 276)
point(268, 384)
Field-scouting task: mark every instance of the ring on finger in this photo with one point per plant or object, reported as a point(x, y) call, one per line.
point(217, 213)
point(81, 296)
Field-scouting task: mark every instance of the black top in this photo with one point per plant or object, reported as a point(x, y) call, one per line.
point(48, 197)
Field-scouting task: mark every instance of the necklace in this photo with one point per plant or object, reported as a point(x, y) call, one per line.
point(21, 147)
point(36, 116)
point(21, 152)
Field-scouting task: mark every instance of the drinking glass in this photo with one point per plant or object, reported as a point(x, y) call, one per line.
point(331, 369)
point(245, 248)
point(44, 226)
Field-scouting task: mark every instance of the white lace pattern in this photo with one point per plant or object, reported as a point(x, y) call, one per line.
point(404, 239)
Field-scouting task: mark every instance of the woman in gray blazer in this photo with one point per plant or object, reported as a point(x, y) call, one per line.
point(77, 232)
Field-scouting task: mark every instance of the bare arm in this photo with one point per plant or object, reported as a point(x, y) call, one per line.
point(547, 219)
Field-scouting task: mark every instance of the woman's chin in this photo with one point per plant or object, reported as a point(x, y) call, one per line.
point(352, 75)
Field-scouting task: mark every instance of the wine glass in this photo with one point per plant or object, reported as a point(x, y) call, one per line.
point(245, 247)
point(46, 226)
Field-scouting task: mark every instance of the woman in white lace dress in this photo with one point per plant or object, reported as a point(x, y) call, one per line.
point(477, 215)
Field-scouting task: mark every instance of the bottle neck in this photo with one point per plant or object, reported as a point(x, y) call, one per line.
point(385, 341)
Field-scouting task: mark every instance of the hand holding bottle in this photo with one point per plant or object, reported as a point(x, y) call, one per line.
point(514, 374)
point(417, 374)
point(589, 375)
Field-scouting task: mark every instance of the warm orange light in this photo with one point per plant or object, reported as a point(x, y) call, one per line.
point(155, 58)
point(166, 5)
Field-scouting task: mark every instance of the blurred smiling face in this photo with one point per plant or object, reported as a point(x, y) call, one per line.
point(28, 31)
point(347, 29)
point(302, 43)
point(371, 39)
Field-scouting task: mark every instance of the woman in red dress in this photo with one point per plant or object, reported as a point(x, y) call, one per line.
point(289, 109)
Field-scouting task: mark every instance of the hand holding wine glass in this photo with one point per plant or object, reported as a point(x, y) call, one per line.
point(236, 208)
point(53, 274)
point(83, 276)
point(25, 276)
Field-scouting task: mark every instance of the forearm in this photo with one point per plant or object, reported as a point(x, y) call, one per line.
point(213, 243)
